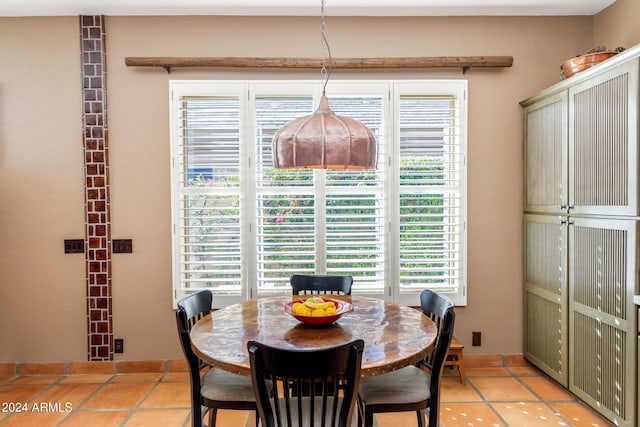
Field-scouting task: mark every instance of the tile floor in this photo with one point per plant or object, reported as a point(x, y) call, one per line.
point(512, 396)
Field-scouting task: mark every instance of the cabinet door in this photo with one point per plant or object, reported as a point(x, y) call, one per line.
point(545, 294)
point(602, 320)
point(603, 143)
point(545, 155)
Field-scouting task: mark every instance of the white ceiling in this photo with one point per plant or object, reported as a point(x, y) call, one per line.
point(302, 7)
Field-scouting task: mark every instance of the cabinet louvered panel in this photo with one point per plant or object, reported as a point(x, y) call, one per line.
point(602, 143)
point(546, 320)
point(543, 340)
point(599, 261)
point(600, 372)
point(602, 325)
point(545, 150)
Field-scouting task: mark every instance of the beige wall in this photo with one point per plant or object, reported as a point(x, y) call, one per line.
point(617, 25)
point(42, 315)
point(42, 290)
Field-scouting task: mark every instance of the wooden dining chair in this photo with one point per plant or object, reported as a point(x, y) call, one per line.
point(213, 388)
point(412, 388)
point(334, 372)
point(320, 284)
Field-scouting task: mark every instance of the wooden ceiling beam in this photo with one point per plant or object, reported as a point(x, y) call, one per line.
point(464, 62)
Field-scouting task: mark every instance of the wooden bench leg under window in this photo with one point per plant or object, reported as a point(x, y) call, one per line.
point(454, 357)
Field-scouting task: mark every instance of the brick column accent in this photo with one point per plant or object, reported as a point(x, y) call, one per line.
point(96, 158)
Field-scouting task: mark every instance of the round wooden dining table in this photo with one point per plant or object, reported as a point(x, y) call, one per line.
point(394, 335)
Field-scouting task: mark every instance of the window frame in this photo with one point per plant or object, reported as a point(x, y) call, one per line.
point(391, 91)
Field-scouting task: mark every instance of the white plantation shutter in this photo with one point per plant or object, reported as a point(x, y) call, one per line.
point(242, 228)
point(284, 218)
point(355, 206)
point(431, 187)
point(207, 210)
point(316, 229)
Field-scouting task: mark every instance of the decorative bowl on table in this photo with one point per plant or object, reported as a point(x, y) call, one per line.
point(333, 310)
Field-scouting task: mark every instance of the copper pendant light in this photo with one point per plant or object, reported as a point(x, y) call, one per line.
point(324, 140)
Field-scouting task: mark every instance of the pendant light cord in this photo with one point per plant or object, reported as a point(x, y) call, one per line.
point(323, 28)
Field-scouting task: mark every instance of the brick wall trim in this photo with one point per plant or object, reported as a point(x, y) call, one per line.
point(97, 206)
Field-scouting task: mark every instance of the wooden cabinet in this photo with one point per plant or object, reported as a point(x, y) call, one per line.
point(581, 234)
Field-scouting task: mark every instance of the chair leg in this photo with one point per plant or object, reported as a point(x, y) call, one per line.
point(368, 417)
point(421, 416)
point(213, 414)
point(461, 368)
point(434, 412)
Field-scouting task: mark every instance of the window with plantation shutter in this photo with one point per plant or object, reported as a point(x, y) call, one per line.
point(430, 180)
point(242, 228)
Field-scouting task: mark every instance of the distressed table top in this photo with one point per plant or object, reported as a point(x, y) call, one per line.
point(395, 336)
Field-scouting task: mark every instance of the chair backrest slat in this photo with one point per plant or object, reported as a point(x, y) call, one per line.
point(303, 284)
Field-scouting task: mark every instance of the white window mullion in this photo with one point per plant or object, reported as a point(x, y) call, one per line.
point(393, 188)
point(248, 198)
point(319, 183)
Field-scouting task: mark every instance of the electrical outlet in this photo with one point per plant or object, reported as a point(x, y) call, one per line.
point(476, 339)
point(122, 246)
point(74, 246)
point(118, 345)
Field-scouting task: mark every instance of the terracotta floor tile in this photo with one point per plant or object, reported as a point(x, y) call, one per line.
point(6, 378)
point(396, 419)
point(117, 396)
point(36, 379)
point(580, 415)
point(468, 414)
point(132, 366)
point(487, 372)
point(454, 391)
point(176, 377)
point(502, 389)
point(547, 389)
point(102, 367)
point(525, 371)
point(158, 418)
point(144, 377)
point(232, 418)
point(168, 395)
point(95, 419)
point(33, 419)
point(86, 378)
point(74, 394)
point(19, 392)
point(529, 414)
point(493, 397)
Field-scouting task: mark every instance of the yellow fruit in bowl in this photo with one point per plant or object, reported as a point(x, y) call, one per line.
point(304, 310)
point(295, 307)
point(330, 310)
point(318, 312)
